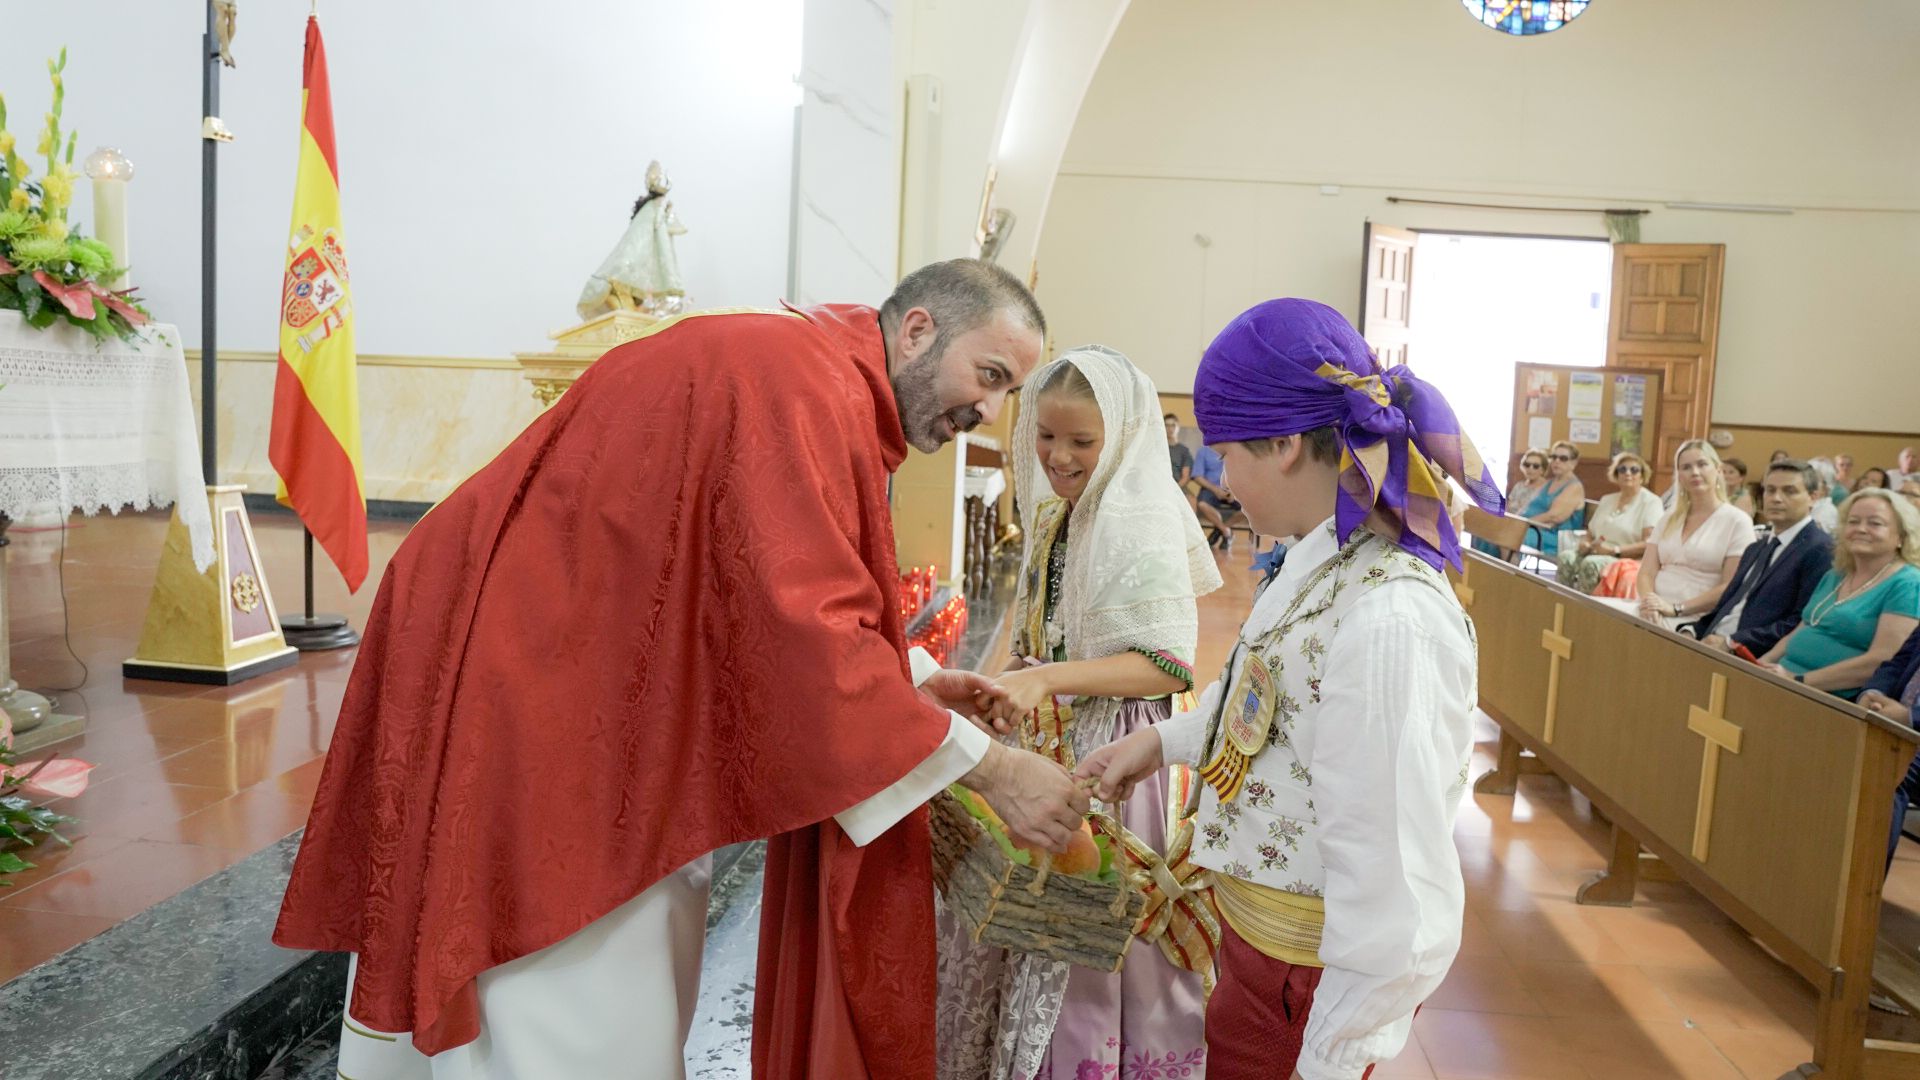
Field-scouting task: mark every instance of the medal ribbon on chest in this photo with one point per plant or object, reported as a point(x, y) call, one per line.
point(1245, 723)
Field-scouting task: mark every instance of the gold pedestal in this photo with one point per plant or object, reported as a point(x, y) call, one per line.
point(576, 347)
point(216, 627)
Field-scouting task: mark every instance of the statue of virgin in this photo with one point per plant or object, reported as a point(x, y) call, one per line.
point(642, 274)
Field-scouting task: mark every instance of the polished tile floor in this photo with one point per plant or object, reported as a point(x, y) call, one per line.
point(192, 779)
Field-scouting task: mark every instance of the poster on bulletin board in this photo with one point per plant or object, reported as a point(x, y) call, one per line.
point(1602, 411)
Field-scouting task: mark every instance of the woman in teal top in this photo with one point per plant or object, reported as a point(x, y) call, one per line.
point(1560, 502)
point(1867, 604)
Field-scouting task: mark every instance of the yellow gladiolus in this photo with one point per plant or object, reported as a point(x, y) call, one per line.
point(20, 200)
point(58, 187)
point(6, 143)
point(46, 142)
point(53, 229)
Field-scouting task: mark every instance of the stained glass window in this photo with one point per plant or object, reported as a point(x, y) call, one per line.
point(1523, 17)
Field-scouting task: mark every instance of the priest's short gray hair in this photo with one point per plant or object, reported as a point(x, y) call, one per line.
point(961, 295)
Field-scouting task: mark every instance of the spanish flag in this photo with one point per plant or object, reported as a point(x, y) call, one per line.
point(315, 445)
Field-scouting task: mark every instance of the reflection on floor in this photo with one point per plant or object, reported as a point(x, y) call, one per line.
point(192, 779)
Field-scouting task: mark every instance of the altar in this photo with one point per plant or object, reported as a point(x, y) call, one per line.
point(575, 348)
point(93, 425)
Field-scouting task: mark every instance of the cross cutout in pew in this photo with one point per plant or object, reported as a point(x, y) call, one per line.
point(1711, 724)
point(1560, 647)
point(1461, 589)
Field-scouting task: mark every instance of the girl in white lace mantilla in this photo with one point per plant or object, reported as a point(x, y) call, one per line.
point(1104, 619)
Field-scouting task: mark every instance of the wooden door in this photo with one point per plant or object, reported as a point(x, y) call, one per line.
point(1385, 289)
point(1666, 317)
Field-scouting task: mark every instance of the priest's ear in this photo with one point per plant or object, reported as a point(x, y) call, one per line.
point(914, 336)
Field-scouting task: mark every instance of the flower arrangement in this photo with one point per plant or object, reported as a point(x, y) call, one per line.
point(22, 824)
point(49, 272)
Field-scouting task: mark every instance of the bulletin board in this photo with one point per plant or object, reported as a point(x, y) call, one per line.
point(1601, 410)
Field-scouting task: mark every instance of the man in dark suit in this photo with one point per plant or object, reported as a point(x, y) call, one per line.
point(1776, 578)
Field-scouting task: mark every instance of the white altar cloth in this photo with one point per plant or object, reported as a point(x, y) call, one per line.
point(99, 425)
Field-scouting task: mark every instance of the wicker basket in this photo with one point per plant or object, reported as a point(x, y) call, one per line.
point(1024, 908)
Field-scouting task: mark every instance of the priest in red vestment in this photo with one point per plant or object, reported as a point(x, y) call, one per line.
point(664, 619)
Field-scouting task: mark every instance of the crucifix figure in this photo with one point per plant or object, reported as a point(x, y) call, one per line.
point(1560, 647)
point(1711, 724)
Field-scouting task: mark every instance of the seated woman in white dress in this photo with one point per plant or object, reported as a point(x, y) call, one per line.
point(1620, 527)
point(1696, 548)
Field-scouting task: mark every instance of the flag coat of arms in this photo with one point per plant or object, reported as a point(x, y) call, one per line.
point(315, 443)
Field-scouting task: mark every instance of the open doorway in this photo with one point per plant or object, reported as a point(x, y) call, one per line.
point(1480, 304)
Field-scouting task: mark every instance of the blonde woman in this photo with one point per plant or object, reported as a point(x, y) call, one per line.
point(1867, 604)
point(1620, 527)
point(1696, 547)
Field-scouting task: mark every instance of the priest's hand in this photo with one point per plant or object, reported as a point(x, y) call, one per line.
point(951, 688)
point(1119, 765)
point(1035, 797)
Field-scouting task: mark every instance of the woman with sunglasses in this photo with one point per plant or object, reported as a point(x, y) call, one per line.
point(1620, 526)
point(1533, 473)
point(1557, 504)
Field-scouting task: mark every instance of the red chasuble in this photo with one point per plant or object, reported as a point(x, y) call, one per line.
point(663, 620)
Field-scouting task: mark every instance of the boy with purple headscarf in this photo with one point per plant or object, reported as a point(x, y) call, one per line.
point(1334, 747)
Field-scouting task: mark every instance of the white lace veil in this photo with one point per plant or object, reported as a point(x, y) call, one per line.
point(1135, 554)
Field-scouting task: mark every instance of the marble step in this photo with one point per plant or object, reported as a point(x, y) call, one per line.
point(190, 988)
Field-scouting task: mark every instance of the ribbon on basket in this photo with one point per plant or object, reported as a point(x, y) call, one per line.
point(1179, 917)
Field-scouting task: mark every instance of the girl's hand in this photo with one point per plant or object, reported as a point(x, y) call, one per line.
point(1651, 606)
point(1015, 694)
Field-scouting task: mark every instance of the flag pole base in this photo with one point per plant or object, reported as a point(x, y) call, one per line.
point(317, 633)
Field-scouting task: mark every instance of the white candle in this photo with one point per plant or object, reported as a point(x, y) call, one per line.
point(110, 171)
point(110, 223)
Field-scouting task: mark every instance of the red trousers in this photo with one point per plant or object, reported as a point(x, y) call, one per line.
point(1257, 1016)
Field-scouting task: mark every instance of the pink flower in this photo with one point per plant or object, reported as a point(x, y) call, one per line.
point(115, 302)
point(5, 266)
point(77, 299)
point(54, 778)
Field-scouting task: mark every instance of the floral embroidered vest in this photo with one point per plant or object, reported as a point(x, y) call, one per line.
point(1266, 833)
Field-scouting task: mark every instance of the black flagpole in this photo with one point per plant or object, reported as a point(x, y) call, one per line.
point(309, 632)
point(209, 175)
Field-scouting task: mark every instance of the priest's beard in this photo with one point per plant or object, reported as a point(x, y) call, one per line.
point(916, 393)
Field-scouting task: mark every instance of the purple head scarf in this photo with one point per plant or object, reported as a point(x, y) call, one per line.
point(1286, 367)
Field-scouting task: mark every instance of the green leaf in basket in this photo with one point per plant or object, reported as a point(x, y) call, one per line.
point(977, 807)
point(1105, 844)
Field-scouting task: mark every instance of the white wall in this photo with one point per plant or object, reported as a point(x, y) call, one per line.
point(488, 150)
point(847, 197)
point(1224, 117)
point(972, 48)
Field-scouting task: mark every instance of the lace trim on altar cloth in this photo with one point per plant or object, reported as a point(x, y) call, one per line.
point(92, 488)
point(89, 488)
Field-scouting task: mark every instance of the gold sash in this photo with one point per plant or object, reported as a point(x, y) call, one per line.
point(1283, 925)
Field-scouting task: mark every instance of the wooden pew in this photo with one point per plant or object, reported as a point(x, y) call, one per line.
point(1770, 799)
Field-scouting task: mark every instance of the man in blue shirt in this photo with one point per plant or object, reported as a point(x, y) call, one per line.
point(1215, 505)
